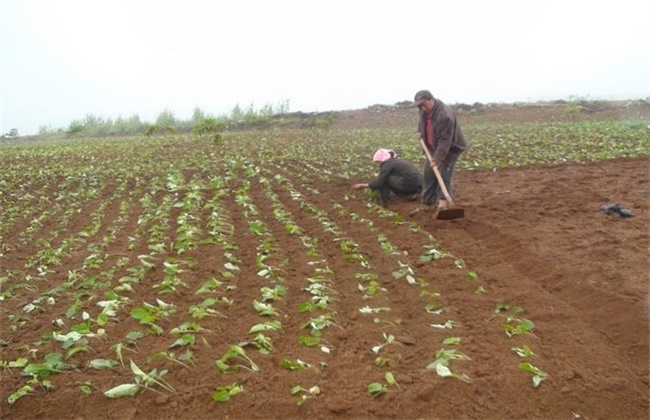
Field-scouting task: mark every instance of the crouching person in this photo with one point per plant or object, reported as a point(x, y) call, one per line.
point(396, 175)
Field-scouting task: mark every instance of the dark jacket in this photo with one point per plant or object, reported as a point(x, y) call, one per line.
point(447, 134)
point(400, 176)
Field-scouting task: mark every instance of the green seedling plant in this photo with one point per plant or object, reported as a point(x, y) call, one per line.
point(389, 339)
point(119, 349)
point(188, 327)
point(515, 326)
point(235, 353)
point(142, 381)
point(294, 365)
point(263, 343)
point(225, 393)
point(523, 351)
point(371, 285)
point(20, 362)
point(538, 374)
point(264, 309)
point(265, 326)
point(212, 285)
point(405, 271)
point(148, 314)
point(311, 341)
point(86, 387)
point(171, 281)
point(38, 372)
point(204, 309)
point(273, 294)
point(451, 341)
point(101, 364)
point(433, 253)
point(319, 323)
point(53, 364)
point(368, 310)
point(377, 388)
point(304, 394)
point(382, 361)
point(188, 356)
point(447, 325)
point(30, 388)
point(442, 362)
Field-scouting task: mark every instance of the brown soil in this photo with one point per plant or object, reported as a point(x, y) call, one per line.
point(536, 239)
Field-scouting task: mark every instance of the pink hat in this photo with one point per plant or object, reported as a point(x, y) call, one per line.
point(382, 155)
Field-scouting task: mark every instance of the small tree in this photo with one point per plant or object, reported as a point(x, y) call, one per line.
point(75, 127)
point(11, 134)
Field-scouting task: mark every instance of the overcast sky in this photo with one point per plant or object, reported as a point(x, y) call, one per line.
point(65, 59)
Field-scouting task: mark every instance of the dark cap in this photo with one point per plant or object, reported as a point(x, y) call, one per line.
point(421, 96)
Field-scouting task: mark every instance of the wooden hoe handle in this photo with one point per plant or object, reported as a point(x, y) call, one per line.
point(437, 172)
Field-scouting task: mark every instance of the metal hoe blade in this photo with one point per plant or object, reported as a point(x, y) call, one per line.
point(450, 214)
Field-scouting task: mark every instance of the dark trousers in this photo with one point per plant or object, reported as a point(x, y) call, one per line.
point(432, 191)
point(395, 186)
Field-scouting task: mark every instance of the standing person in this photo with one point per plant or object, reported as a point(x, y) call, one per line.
point(444, 138)
point(396, 175)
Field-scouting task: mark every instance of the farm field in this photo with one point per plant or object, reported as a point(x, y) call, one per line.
point(182, 277)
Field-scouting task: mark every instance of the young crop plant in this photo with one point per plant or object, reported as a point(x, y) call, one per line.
point(171, 281)
point(349, 248)
point(186, 235)
point(386, 246)
point(235, 353)
point(263, 343)
point(294, 365)
point(103, 364)
point(273, 294)
point(148, 314)
point(447, 325)
point(188, 331)
point(368, 310)
point(225, 393)
point(304, 394)
point(538, 374)
point(311, 341)
point(265, 326)
point(142, 381)
point(38, 372)
point(388, 339)
point(371, 286)
point(442, 362)
point(120, 347)
point(319, 323)
point(434, 252)
point(377, 388)
point(514, 325)
point(264, 309)
point(523, 351)
point(204, 308)
point(30, 388)
point(184, 359)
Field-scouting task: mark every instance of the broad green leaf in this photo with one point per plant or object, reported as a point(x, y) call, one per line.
point(124, 390)
point(21, 392)
point(184, 340)
point(443, 370)
point(451, 341)
point(376, 388)
point(390, 378)
point(102, 364)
